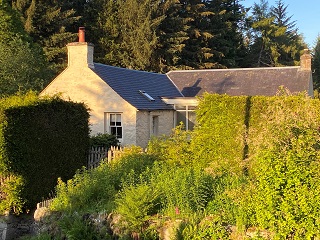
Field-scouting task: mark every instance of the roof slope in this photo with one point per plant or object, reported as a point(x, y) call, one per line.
point(241, 81)
point(128, 84)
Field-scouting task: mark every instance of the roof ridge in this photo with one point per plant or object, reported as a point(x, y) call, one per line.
point(128, 69)
point(233, 69)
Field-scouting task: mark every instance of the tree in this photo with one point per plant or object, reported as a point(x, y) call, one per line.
point(22, 64)
point(201, 34)
point(290, 43)
point(51, 25)
point(275, 38)
point(228, 23)
point(316, 65)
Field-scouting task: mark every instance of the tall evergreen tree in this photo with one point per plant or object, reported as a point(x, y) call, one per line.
point(290, 44)
point(51, 25)
point(316, 66)
point(228, 23)
point(22, 64)
point(275, 39)
point(202, 34)
point(138, 23)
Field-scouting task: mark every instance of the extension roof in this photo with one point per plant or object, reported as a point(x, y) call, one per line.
point(241, 81)
point(141, 89)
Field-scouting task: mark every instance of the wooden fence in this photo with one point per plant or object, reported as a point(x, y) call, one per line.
point(98, 154)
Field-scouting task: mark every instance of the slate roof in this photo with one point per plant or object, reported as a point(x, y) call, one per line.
point(128, 84)
point(241, 81)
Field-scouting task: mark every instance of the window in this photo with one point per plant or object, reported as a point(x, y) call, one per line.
point(186, 115)
point(114, 124)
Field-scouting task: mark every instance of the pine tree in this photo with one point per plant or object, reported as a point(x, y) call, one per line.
point(51, 25)
point(228, 23)
point(202, 34)
point(172, 34)
point(290, 44)
point(138, 24)
point(275, 39)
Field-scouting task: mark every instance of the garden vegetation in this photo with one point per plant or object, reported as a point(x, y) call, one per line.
point(251, 165)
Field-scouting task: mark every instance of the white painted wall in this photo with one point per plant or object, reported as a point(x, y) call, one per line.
point(79, 83)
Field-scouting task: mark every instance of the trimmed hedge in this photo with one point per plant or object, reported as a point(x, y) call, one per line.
point(40, 141)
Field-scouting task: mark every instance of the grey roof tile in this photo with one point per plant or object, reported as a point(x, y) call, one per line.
point(127, 83)
point(241, 81)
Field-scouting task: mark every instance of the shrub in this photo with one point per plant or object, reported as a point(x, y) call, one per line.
point(103, 140)
point(174, 149)
point(41, 140)
point(208, 227)
point(95, 190)
point(285, 170)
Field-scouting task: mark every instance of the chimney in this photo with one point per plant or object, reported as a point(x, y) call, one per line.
point(305, 61)
point(80, 54)
point(82, 34)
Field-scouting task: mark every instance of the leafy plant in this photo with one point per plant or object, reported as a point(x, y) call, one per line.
point(103, 140)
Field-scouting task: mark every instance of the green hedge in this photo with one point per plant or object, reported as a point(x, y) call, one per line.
point(40, 141)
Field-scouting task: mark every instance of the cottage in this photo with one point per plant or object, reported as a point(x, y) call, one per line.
point(123, 102)
point(134, 105)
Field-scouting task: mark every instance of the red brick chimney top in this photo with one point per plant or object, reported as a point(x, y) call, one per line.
point(82, 34)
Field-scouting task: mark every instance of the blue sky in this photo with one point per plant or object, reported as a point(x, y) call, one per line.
point(306, 13)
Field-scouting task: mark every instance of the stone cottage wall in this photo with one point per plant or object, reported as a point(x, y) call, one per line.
point(144, 125)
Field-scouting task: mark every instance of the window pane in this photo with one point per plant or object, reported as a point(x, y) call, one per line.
point(119, 132)
point(118, 118)
point(191, 120)
point(192, 107)
point(112, 119)
point(113, 131)
point(181, 117)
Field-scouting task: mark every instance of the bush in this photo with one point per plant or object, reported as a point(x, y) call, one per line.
point(41, 140)
point(285, 171)
point(103, 140)
point(95, 190)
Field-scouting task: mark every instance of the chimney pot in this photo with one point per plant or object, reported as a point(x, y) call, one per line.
point(82, 34)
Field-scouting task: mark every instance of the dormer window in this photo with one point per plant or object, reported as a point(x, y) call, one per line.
point(146, 95)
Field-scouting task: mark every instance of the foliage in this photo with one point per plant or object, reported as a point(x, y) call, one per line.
point(76, 226)
point(273, 187)
point(51, 25)
point(220, 137)
point(285, 172)
point(10, 194)
point(135, 205)
point(316, 65)
point(23, 66)
point(103, 140)
point(275, 39)
point(174, 149)
point(94, 190)
point(41, 140)
point(208, 227)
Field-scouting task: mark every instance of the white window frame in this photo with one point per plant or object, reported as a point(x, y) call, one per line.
point(108, 126)
point(187, 111)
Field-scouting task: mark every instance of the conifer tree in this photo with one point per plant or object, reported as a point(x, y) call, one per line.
point(228, 23)
point(276, 41)
point(51, 25)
